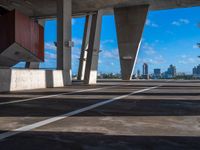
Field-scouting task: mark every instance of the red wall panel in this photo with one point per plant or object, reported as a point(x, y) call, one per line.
point(7, 30)
point(16, 27)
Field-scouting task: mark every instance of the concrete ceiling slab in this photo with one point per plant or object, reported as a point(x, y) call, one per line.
point(47, 8)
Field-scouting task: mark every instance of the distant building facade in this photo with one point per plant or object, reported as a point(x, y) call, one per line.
point(170, 73)
point(196, 71)
point(145, 74)
point(157, 73)
point(145, 69)
point(138, 74)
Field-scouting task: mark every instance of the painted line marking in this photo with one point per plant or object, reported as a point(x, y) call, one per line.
point(54, 119)
point(50, 96)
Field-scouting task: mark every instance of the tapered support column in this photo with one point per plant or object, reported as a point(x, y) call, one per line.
point(130, 23)
point(64, 43)
point(85, 44)
point(93, 49)
point(35, 65)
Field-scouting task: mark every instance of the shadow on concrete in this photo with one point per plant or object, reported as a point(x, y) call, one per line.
point(170, 93)
point(96, 141)
point(128, 107)
point(49, 78)
point(5, 80)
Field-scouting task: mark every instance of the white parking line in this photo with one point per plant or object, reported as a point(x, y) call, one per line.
point(54, 119)
point(50, 96)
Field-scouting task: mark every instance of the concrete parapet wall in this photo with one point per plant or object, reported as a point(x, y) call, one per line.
point(18, 79)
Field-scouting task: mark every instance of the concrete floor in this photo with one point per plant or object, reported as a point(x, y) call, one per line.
point(135, 116)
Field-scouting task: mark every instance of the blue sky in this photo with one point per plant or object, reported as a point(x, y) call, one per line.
point(169, 37)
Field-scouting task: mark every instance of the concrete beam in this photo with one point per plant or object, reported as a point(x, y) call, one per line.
point(35, 65)
point(130, 23)
point(64, 38)
point(85, 44)
point(93, 49)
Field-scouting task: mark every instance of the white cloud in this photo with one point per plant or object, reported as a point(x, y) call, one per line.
point(152, 56)
point(186, 59)
point(50, 46)
point(180, 22)
point(152, 24)
point(77, 41)
point(148, 49)
point(176, 23)
point(110, 54)
point(153, 60)
point(195, 46)
point(49, 55)
point(107, 41)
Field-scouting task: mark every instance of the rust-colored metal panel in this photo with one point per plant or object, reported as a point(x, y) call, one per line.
point(7, 30)
point(23, 30)
point(41, 43)
point(20, 29)
point(30, 35)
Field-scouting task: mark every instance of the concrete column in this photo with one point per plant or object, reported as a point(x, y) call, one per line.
point(93, 49)
point(35, 65)
point(64, 38)
point(85, 44)
point(130, 23)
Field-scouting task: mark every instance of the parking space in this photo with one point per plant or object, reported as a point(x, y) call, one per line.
point(139, 115)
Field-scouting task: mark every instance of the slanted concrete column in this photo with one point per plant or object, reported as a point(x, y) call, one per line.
point(64, 43)
point(93, 49)
point(130, 23)
point(35, 65)
point(85, 44)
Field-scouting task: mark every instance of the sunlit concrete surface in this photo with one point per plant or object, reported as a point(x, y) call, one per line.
point(144, 115)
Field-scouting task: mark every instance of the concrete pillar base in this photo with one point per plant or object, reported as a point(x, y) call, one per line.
point(64, 38)
point(85, 43)
point(93, 49)
point(23, 79)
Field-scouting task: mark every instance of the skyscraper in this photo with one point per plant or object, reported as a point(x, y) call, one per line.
point(138, 73)
point(196, 71)
point(171, 72)
point(145, 74)
point(157, 73)
point(145, 69)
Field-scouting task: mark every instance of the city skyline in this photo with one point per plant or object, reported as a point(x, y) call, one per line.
point(174, 41)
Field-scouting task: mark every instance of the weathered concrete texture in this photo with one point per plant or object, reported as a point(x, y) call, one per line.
point(165, 118)
point(93, 49)
point(14, 79)
point(130, 22)
point(47, 8)
point(64, 37)
point(84, 49)
point(32, 65)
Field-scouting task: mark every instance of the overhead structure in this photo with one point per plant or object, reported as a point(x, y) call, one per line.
point(22, 39)
point(93, 49)
point(64, 39)
point(129, 24)
point(84, 49)
point(48, 8)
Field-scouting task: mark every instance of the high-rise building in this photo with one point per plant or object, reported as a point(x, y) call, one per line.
point(145, 69)
point(157, 73)
point(145, 72)
point(171, 72)
point(138, 73)
point(196, 71)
